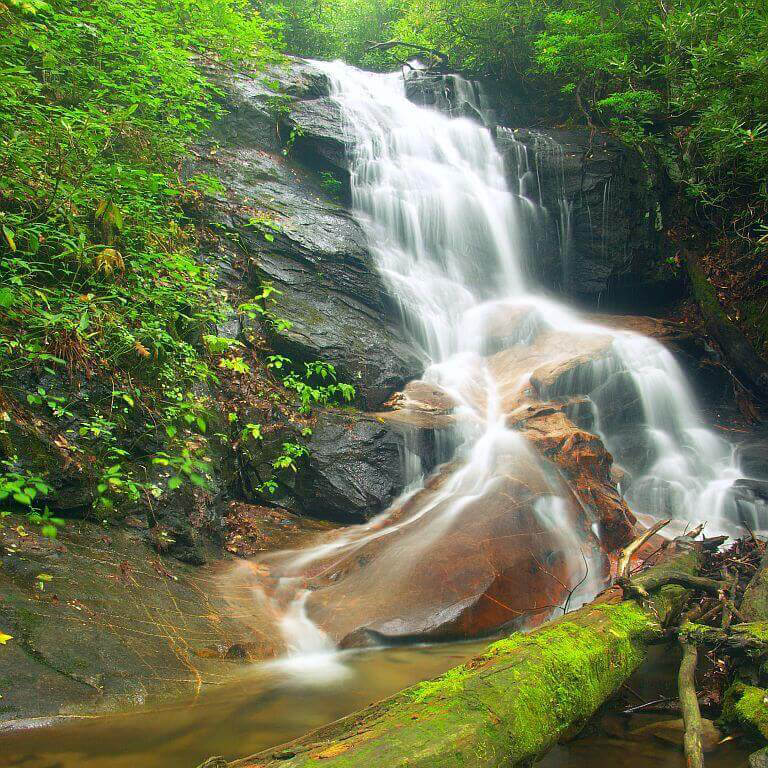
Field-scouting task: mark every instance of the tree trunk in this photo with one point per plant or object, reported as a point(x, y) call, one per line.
point(736, 347)
point(510, 705)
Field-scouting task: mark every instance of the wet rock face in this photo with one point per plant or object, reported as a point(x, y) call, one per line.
point(117, 625)
point(354, 469)
point(316, 257)
point(596, 228)
point(603, 203)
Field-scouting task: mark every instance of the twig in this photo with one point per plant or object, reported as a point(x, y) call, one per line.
point(622, 570)
point(647, 705)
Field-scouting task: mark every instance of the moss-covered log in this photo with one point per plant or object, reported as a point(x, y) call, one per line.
point(509, 705)
point(745, 704)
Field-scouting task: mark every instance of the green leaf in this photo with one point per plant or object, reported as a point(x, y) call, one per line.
point(6, 298)
point(8, 234)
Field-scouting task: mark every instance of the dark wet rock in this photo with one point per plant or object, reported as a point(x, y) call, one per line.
point(354, 469)
point(116, 625)
point(317, 258)
point(53, 458)
point(255, 105)
point(321, 137)
point(243, 652)
point(604, 229)
point(618, 402)
point(752, 456)
point(751, 489)
point(448, 93)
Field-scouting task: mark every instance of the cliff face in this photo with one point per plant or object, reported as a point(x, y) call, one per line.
point(596, 208)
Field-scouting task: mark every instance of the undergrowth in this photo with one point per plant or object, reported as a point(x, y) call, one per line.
point(98, 275)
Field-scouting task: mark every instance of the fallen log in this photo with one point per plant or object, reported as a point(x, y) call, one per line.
point(689, 704)
point(511, 704)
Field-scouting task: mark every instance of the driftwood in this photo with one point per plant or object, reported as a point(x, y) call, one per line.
point(625, 556)
point(508, 706)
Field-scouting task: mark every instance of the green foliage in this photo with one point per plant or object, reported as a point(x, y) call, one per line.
point(23, 489)
point(98, 268)
point(266, 226)
point(688, 75)
point(332, 29)
point(291, 452)
point(259, 306)
point(331, 184)
point(317, 385)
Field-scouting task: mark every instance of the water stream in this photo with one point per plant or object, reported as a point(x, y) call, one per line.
point(446, 229)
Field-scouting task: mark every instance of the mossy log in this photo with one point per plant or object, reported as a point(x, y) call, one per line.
point(754, 604)
point(745, 705)
point(737, 348)
point(511, 704)
point(689, 704)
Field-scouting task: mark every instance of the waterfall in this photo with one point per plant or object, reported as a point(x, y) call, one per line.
point(444, 227)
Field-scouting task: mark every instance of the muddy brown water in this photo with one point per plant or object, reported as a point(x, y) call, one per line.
point(266, 706)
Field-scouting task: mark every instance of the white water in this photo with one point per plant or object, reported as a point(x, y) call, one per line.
point(445, 230)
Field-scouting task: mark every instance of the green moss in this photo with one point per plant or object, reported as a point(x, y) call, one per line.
point(700, 633)
point(756, 629)
point(704, 293)
point(445, 685)
point(746, 706)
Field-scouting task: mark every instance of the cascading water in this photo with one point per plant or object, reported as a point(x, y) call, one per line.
point(445, 230)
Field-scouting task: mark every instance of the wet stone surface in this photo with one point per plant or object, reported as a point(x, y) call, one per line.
point(115, 623)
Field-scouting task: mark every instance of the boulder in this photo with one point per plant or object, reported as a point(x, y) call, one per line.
point(297, 236)
point(442, 570)
point(355, 467)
